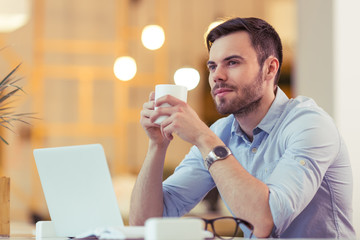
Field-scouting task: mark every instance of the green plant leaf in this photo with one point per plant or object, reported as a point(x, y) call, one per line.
point(8, 89)
point(2, 139)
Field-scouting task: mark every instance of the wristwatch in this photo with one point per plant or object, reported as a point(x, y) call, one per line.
point(218, 153)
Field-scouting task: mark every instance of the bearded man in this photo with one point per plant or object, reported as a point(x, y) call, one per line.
point(279, 164)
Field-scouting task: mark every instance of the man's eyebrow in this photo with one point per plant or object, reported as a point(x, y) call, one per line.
point(227, 59)
point(233, 56)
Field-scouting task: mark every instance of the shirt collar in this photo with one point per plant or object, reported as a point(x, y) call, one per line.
point(235, 128)
point(276, 108)
point(271, 117)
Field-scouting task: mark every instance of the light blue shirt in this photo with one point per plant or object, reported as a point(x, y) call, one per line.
point(298, 153)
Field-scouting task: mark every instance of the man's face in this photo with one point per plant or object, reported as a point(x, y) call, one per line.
point(235, 78)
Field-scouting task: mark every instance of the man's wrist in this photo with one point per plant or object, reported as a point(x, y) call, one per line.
point(206, 143)
point(217, 153)
point(159, 144)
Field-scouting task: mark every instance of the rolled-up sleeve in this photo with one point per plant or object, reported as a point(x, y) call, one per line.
point(311, 145)
point(187, 186)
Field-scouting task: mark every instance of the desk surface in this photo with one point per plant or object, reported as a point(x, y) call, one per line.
point(25, 231)
point(34, 238)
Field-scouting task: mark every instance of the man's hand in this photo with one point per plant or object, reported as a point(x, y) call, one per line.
point(182, 121)
point(152, 129)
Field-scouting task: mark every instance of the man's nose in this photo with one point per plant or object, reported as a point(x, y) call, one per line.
point(219, 74)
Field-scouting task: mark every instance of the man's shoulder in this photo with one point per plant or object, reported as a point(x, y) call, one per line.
point(302, 106)
point(303, 116)
point(304, 102)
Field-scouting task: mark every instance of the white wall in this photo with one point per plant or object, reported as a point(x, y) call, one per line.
point(327, 69)
point(347, 86)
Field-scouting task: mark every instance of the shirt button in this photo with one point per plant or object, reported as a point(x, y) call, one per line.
point(254, 150)
point(302, 162)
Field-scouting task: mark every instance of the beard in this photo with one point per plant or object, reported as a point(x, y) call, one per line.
point(247, 100)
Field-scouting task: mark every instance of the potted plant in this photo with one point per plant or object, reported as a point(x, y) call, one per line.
point(8, 88)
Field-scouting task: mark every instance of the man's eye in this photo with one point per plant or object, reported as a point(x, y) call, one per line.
point(211, 67)
point(232, 63)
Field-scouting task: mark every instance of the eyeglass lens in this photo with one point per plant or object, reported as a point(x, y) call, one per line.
point(224, 228)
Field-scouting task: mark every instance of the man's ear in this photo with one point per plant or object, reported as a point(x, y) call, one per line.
point(271, 67)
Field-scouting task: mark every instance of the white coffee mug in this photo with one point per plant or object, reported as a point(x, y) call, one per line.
point(178, 91)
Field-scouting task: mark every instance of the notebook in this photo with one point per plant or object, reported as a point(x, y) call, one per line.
point(78, 189)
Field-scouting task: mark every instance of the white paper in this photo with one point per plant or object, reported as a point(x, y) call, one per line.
point(115, 232)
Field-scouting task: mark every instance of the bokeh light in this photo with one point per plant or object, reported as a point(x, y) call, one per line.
point(188, 77)
point(125, 68)
point(14, 14)
point(213, 25)
point(153, 37)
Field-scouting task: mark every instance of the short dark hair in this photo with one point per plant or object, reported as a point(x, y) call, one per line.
point(264, 38)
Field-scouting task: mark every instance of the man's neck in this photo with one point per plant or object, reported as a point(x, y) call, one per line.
point(249, 122)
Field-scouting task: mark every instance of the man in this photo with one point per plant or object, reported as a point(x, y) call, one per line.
point(278, 163)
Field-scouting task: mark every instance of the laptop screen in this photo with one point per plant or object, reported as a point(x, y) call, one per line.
point(78, 189)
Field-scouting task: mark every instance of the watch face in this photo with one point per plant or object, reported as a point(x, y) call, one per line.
point(221, 152)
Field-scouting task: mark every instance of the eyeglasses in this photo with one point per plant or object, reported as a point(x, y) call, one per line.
point(226, 227)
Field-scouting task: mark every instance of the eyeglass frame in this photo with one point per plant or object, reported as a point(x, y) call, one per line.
point(237, 220)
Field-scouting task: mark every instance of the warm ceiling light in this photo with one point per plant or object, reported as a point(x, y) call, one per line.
point(188, 77)
point(125, 68)
point(153, 37)
point(13, 14)
point(213, 25)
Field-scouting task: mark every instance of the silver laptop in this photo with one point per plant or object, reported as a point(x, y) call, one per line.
point(78, 189)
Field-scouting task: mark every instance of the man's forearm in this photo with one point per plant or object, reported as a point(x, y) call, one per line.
point(247, 197)
point(147, 195)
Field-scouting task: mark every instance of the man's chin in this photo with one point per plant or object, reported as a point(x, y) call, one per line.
point(222, 106)
point(222, 109)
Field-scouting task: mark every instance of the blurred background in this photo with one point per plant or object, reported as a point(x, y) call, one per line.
point(74, 79)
